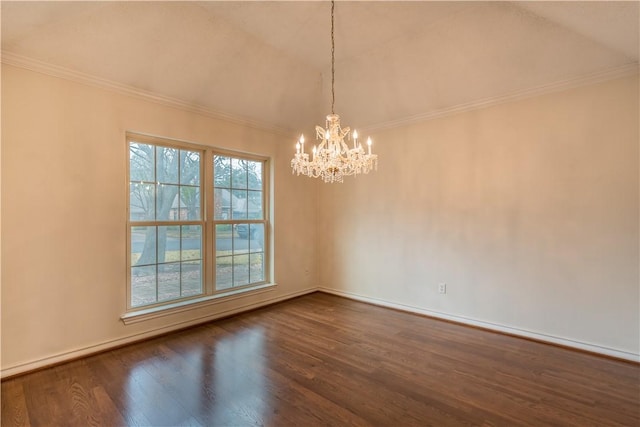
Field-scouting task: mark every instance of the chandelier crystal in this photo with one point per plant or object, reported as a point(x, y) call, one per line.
point(333, 159)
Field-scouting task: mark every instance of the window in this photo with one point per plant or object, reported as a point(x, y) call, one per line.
point(189, 236)
point(239, 221)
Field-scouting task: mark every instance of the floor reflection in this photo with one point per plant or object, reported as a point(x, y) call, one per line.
point(237, 368)
point(220, 382)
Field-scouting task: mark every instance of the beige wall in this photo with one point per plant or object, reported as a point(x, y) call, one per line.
point(63, 214)
point(527, 210)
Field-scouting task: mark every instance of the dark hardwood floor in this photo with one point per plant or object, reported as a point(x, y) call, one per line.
point(325, 360)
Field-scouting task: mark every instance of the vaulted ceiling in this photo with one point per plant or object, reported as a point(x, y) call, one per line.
point(269, 62)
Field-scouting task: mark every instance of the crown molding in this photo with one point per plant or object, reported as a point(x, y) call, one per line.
point(42, 67)
point(584, 80)
point(13, 59)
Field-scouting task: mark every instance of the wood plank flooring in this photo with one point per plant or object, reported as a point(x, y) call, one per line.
point(321, 360)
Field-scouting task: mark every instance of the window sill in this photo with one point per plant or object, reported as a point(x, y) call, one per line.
point(145, 314)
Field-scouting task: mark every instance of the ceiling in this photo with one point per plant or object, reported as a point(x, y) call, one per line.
point(269, 62)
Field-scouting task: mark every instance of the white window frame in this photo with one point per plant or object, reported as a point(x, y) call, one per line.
point(209, 292)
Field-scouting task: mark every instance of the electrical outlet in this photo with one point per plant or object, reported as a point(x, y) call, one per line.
point(442, 288)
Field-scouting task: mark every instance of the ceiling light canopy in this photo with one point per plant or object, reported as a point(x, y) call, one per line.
point(333, 159)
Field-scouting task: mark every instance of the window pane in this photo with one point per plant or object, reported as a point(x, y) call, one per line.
point(167, 206)
point(141, 201)
point(167, 165)
point(240, 270)
point(224, 272)
point(189, 203)
point(255, 175)
point(168, 281)
point(141, 162)
point(143, 245)
point(254, 204)
point(222, 171)
point(221, 204)
point(256, 243)
point(189, 168)
point(224, 234)
point(143, 285)
point(191, 242)
point(238, 173)
point(239, 204)
point(169, 243)
point(191, 278)
point(241, 239)
point(256, 267)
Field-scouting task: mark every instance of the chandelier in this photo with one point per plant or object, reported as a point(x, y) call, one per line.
point(333, 159)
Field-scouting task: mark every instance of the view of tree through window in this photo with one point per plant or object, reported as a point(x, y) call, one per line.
point(165, 220)
point(176, 252)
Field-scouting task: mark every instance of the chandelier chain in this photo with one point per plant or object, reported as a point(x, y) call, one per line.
point(333, 62)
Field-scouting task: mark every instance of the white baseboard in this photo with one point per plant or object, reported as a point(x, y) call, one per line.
point(106, 345)
point(492, 326)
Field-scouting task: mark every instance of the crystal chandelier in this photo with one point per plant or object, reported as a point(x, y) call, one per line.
point(332, 160)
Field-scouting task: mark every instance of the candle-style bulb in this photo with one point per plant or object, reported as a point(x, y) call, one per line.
point(301, 139)
point(355, 134)
point(298, 147)
point(369, 144)
point(327, 135)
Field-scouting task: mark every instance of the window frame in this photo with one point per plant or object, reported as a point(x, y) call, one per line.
point(207, 223)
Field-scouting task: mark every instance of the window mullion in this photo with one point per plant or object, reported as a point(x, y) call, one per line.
point(209, 232)
point(180, 257)
point(156, 266)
